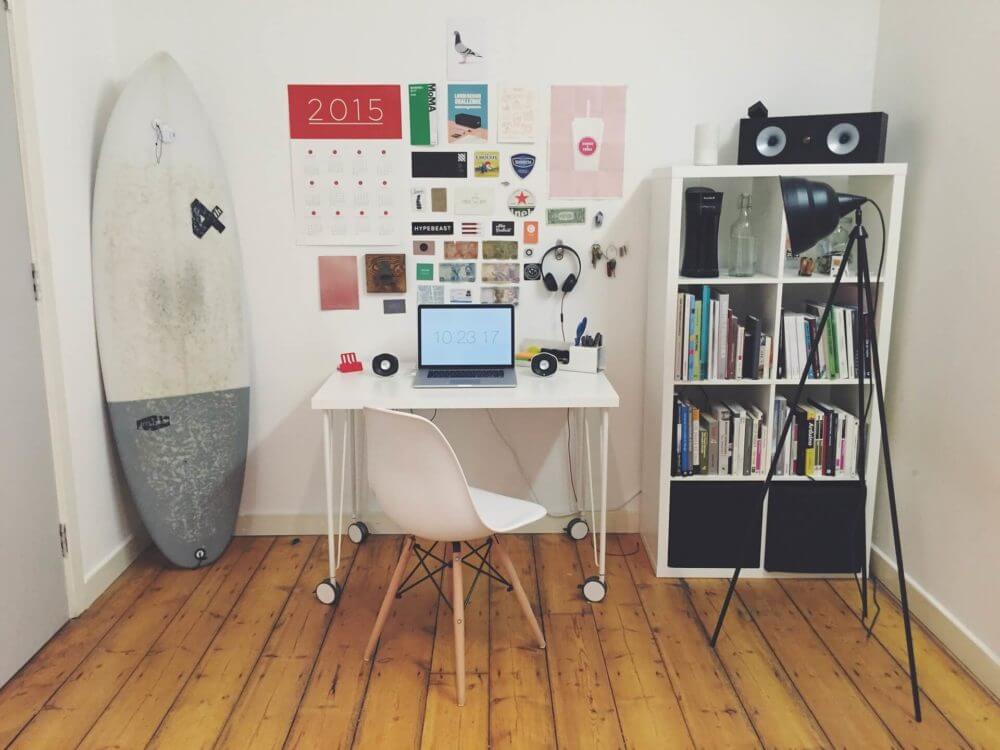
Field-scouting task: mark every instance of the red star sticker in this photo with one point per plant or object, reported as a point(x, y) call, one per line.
point(521, 197)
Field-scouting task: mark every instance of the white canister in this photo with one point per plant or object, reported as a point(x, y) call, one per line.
point(706, 143)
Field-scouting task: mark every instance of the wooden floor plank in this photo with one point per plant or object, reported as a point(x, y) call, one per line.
point(520, 714)
point(477, 628)
point(393, 711)
point(711, 708)
point(582, 700)
point(838, 706)
point(334, 693)
point(872, 669)
point(70, 713)
point(264, 712)
point(775, 707)
point(448, 725)
point(26, 692)
point(133, 716)
point(647, 705)
point(969, 706)
point(200, 711)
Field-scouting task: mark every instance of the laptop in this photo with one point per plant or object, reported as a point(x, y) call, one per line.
point(465, 346)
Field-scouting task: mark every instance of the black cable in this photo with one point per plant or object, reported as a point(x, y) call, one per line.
point(569, 460)
point(562, 324)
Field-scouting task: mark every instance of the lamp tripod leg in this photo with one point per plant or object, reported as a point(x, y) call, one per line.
point(890, 483)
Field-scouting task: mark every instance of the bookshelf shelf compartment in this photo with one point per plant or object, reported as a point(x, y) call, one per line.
point(666, 500)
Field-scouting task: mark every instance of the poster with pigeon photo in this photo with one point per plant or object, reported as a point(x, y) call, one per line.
point(468, 49)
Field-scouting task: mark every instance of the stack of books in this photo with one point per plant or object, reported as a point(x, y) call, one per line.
point(714, 343)
point(837, 355)
point(822, 440)
point(725, 439)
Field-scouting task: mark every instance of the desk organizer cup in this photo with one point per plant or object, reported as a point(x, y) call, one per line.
point(581, 358)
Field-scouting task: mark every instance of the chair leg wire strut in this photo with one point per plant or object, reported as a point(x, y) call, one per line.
point(483, 568)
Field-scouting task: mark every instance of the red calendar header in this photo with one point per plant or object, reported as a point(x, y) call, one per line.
point(349, 111)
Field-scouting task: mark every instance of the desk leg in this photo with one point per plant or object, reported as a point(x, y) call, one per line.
point(357, 530)
point(328, 590)
point(595, 588)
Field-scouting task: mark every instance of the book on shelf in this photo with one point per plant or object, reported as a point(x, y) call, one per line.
point(721, 439)
point(835, 358)
point(713, 342)
point(822, 440)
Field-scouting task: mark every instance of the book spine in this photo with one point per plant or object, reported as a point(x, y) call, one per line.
point(706, 307)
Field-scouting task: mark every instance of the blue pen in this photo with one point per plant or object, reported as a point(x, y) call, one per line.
point(580, 329)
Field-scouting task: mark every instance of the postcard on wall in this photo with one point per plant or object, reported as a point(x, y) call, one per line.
point(587, 141)
point(338, 282)
point(423, 114)
point(468, 49)
point(345, 155)
point(473, 200)
point(501, 273)
point(423, 247)
point(430, 294)
point(456, 272)
point(385, 273)
point(468, 113)
point(460, 296)
point(499, 295)
point(517, 114)
point(425, 272)
point(461, 250)
point(500, 250)
point(486, 164)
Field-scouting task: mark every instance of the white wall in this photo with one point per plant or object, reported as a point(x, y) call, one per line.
point(683, 62)
point(66, 60)
point(936, 76)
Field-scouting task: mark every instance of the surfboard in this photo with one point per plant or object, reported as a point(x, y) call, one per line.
point(169, 306)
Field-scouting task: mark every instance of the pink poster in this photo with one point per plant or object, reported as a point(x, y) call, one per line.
point(587, 141)
point(338, 282)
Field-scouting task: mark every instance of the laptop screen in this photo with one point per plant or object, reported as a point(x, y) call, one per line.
point(465, 335)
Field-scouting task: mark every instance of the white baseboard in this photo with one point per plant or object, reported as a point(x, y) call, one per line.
point(977, 657)
point(281, 524)
point(106, 571)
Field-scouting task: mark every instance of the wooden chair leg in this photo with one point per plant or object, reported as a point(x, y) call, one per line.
point(458, 610)
point(508, 568)
point(390, 597)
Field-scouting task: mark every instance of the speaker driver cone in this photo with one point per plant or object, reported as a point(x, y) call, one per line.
point(843, 138)
point(771, 141)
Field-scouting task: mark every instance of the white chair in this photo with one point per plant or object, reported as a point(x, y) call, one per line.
point(420, 485)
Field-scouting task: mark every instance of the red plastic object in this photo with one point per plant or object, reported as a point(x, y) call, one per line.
point(349, 362)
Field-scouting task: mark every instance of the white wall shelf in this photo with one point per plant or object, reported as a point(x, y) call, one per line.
point(774, 287)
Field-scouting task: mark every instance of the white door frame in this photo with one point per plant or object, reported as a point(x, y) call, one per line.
point(76, 594)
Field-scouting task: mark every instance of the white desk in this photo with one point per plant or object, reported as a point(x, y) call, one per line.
point(351, 392)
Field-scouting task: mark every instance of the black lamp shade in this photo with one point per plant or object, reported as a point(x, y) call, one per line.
point(813, 210)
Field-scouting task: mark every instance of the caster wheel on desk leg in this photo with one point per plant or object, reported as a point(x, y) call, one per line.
point(577, 529)
point(594, 590)
point(328, 591)
point(357, 532)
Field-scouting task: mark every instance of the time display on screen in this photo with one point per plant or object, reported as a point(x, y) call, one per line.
point(469, 337)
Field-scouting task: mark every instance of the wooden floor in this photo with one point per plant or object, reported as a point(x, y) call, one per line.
point(242, 655)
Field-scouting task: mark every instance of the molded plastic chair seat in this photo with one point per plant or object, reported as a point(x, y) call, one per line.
point(500, 513)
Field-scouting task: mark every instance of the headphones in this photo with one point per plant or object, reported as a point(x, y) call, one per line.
point(570, 281)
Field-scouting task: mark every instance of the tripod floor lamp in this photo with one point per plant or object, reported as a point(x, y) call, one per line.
point(812, 211)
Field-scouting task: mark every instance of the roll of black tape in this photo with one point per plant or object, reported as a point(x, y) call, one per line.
point(544, 364)
point(385, 365)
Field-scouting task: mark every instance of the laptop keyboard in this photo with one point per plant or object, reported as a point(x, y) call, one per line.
point(465, 374)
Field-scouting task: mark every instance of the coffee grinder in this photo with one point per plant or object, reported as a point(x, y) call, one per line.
point(702, 209)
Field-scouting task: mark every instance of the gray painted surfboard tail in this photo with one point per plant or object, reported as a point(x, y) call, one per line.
point(184, 459)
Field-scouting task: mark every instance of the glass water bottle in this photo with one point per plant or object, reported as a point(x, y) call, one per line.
point(744, 244)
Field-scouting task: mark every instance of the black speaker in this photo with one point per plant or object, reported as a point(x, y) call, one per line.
point(544, 364)
point(385, 365)
point(857, 138)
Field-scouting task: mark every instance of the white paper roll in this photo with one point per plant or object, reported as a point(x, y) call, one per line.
point(706, 143)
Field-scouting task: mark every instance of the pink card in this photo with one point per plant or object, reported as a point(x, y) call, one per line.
point(338, 282)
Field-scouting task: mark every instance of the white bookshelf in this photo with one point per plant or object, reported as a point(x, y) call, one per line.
point(765, 294)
